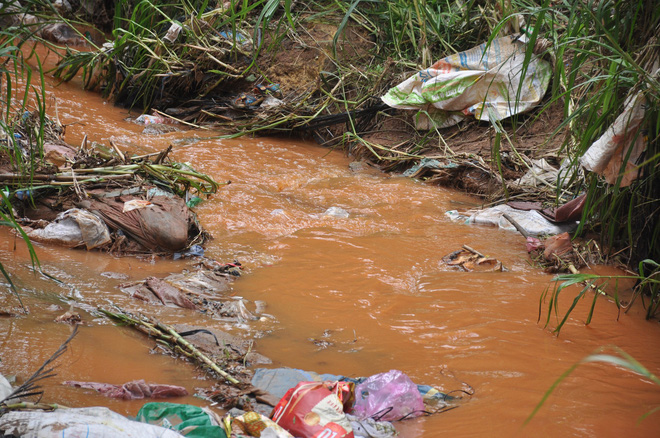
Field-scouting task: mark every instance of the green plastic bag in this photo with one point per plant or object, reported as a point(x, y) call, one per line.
point(188, 420)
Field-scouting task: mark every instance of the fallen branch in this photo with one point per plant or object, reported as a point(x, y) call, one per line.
point(474, 251)
point(520, 229)
point(171, 338)
point(195, 352)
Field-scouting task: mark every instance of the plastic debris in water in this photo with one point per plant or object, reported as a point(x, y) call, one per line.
point(172, 33)
point(23, 194)
point(337, 212)
point(194, 201)
point(193, 251)
point(146, 119)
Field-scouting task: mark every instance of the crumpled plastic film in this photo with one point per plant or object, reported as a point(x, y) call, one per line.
point(607, 155)
point(483, 82)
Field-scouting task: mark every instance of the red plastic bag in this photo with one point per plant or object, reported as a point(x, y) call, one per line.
point(311, 410)
point(387, 396)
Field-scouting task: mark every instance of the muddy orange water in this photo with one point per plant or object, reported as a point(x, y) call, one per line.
point(373, 284)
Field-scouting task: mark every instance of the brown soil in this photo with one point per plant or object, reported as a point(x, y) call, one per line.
point(297, 63)
point(535, 135)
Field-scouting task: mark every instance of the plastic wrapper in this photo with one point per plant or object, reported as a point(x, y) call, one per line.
point(253, 424)
point(311, 410)
point(370, 428)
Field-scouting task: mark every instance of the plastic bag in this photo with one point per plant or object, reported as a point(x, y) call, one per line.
point(311, 410)
point(531, 221)
point(146, 119)
point(388, 396)
point(278, 381)
point(73, 228)
point(610, 155)
point(487, 81)
point(5, 388)
point(187, 420)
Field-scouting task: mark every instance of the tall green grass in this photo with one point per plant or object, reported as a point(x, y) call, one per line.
point(646, 289)
point(14, 70)
point(140, 66)
point(607, 51)
point(418, 32)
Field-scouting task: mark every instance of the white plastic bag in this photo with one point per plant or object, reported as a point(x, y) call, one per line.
point(531, 221)
point(5, 388)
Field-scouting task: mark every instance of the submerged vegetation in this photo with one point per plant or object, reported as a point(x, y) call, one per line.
point(647, 289)
point(317, 69)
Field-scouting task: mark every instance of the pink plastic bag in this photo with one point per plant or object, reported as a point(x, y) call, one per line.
point(387, 396)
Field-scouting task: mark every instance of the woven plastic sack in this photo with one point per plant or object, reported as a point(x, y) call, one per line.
point(619, 150)
point(96, 422)
point(388, 396)
point(487, 81)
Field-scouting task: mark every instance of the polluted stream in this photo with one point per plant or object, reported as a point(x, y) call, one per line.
point(358, 292)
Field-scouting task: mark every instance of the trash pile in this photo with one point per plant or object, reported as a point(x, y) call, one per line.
point(95, 197)
point(494, 81)
point(315, 406)
point(545, 229)
point(268, 403)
